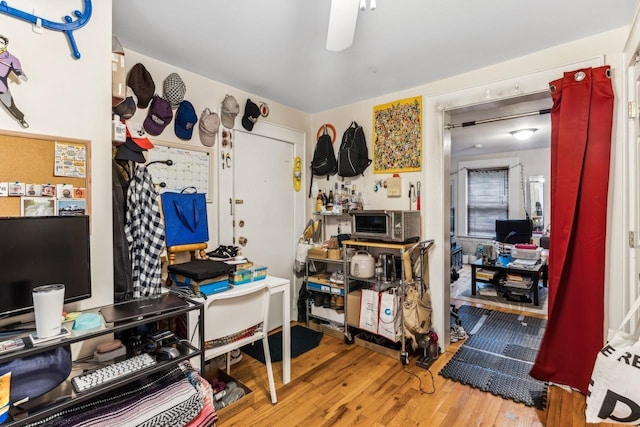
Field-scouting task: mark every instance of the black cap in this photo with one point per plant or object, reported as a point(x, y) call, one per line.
point(130, 151)
point(251, 114)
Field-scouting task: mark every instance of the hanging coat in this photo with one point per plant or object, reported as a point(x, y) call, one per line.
point(145, 234)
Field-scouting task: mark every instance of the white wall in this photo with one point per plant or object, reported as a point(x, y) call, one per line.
point(70, 98)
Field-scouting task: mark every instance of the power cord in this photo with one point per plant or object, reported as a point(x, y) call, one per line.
point(433, 384)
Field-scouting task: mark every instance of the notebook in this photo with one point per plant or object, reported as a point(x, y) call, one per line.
point(141, 307)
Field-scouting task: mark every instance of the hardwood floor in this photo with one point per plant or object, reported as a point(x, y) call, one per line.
point(342, 385)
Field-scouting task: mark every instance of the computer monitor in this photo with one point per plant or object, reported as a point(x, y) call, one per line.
point(38, 251)
point(513, 231)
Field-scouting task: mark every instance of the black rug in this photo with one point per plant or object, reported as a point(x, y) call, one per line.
point(302, 340)
point(499, 354)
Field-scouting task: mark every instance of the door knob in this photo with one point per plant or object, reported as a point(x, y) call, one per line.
point(242, 241)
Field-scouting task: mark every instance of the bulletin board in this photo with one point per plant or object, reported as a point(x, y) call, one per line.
point(31, 159)
point(191, 167)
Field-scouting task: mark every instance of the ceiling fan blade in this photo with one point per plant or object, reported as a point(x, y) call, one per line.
point(342, 24)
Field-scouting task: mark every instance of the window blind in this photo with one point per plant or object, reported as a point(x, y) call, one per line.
point(487, 200)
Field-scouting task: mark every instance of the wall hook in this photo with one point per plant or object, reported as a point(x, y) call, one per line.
point(67, 27)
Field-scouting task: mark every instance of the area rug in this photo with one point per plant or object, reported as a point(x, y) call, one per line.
point(302, 340)
point(499, 354)
point(490, 295)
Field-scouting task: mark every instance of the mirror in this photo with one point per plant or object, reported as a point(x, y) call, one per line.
point(535, 202)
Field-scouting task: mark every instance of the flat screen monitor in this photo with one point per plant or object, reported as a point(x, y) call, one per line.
point(36, 251)
point(514, 230)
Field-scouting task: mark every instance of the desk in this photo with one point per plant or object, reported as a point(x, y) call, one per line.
point(276, 286)
point(537, 272)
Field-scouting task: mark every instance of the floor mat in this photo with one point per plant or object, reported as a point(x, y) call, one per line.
point(302, 340)
point(499, 354)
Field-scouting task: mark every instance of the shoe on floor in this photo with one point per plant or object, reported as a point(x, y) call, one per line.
point(221, 361)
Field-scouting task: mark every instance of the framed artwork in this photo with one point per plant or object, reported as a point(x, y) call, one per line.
point(37, 206)
point(397, 136)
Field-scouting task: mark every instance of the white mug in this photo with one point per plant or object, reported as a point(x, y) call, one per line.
point(48, 301)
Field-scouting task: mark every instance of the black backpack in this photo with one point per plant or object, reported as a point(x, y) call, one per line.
point(353, 156)
point(324, 158)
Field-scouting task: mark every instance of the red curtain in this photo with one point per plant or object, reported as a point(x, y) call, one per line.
point(581, 120)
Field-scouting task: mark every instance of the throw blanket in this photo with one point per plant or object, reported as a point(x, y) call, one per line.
point(178, 397)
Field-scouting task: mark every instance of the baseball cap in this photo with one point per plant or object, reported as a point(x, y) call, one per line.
point(186, 119)
point(174, 90)
point(130, 151)
point(137, 134)
point(127, 108)
point(141, 82)
point(158, 117)
point(251, 114)
point(209, 125)
point(230, 109)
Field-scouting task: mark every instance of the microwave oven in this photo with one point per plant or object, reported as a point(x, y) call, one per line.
point(386, 225)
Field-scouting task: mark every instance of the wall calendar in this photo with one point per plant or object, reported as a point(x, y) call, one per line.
point(190, 167)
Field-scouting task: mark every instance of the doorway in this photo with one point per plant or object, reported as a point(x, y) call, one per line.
point(481, 139)
point(258, 209)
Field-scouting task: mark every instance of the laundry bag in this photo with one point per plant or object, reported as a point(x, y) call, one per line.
point(614, 394)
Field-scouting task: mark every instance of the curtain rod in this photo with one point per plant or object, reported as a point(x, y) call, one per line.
point(497, 119)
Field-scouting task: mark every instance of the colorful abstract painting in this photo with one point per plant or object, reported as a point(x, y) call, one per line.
point(397, 136)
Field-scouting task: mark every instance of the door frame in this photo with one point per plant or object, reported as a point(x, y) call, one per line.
point(438, 191)
point(224, 181)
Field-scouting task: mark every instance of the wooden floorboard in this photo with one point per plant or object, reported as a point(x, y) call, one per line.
point(337, 384)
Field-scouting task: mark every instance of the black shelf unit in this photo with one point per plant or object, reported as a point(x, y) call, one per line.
point(64, 395)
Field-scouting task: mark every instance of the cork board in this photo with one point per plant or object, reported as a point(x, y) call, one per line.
point(30, 159)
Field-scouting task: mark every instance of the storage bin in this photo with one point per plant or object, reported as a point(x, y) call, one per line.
point(259, 273)
point(239, 277)
point(530, 254)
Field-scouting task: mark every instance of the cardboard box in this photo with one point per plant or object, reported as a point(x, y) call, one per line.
point(390, 352)
point(240, 404)
point(118, 79)
point(327, 314)
point(353, 308)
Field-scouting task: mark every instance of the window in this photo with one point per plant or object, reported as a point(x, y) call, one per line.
point(487, 199)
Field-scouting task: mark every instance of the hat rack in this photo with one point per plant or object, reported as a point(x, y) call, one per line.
point(67, 27)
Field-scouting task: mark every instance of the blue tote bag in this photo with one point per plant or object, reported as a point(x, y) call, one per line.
point(185, 217)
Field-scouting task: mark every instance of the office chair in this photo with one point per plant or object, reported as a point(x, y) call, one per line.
point(231, 312)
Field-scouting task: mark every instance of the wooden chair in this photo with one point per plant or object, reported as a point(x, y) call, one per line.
point(234, 311)
point(192, 248)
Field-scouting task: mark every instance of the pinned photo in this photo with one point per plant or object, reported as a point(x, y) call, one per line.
point(37, 206)
point(16, 189)
point(34, 190)
point(49, 190)
point(4, 189)
point(79, 192)
point(71, 207)
point(64, 191)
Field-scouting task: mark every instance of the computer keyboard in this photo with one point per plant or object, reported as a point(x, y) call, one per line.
point(115, 371)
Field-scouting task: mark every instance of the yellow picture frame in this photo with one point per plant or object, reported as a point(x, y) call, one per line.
point(397, 136)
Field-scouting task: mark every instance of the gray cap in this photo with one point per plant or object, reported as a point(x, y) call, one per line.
point(230, 109)
point(208, 126)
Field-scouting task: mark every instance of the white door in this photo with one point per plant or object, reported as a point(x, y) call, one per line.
point(264, 206)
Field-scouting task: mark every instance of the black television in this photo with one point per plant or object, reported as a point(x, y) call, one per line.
point(514, 231)
point(42, 250)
